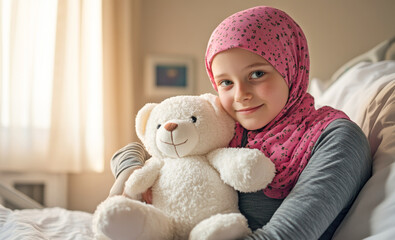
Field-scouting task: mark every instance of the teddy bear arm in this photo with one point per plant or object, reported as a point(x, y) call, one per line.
point(246, 170)
point(144, 178)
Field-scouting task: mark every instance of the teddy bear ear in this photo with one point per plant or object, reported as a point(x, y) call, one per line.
point(214, 100)
point(142, 118)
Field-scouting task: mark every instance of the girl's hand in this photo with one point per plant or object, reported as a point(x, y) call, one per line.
point(147, 196)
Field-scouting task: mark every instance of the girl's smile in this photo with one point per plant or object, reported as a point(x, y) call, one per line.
point(248, 110)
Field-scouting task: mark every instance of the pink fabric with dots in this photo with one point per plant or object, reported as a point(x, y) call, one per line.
point(288, 139)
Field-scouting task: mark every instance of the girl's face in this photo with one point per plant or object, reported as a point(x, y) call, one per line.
point(249, 87)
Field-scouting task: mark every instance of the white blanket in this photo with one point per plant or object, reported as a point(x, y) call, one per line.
point(48, 223)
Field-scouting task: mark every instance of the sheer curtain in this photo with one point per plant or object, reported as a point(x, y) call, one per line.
point(51, 86)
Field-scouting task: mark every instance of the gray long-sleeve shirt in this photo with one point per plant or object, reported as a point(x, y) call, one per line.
point(339, 166)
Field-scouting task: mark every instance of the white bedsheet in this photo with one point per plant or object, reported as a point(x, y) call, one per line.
point(47, 223)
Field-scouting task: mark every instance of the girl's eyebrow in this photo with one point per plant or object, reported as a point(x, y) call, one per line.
point(259, 64)
point(220, 75)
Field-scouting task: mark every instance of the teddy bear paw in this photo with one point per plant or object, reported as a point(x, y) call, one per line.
point(221, 227)
point(119, 218)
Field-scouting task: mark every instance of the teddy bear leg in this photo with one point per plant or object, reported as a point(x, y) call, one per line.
point(120, 218)
point(221, 227)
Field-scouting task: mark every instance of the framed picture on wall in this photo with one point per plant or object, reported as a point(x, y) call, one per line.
point(168, 75)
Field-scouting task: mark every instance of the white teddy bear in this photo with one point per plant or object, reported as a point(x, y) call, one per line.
point(192, 174)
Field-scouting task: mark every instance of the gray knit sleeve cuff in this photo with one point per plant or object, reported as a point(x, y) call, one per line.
point(133, 154)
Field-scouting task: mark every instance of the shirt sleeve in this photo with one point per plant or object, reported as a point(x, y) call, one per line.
point(339, 167)
point(133, 154)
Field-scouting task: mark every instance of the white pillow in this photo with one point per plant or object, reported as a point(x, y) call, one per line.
point(366, 92)
point(355, 88)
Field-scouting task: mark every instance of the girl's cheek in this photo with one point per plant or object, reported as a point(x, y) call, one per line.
point(226, 102)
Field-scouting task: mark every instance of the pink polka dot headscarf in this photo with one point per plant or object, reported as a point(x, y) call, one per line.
point(289, 138)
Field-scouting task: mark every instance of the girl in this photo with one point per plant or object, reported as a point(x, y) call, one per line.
point(258, 62)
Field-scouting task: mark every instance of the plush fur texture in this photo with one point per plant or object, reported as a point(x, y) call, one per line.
point(192, 174)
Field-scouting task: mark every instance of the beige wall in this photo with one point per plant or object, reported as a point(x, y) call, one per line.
point(336, 30)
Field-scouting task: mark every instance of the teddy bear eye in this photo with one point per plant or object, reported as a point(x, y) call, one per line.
point(194, 119)
point(157, 127)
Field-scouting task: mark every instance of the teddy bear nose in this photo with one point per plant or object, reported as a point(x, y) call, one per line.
point(171, 126)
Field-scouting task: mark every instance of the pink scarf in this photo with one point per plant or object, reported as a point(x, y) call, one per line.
point(288, 139)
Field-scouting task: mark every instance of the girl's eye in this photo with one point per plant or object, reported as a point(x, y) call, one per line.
point(158, 126)
point(194, 119)
point(225, 83)
point(257, 74)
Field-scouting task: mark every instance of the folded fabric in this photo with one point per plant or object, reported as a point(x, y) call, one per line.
point(355, 89)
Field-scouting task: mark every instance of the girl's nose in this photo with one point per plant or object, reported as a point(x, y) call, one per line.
point(242, 93)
